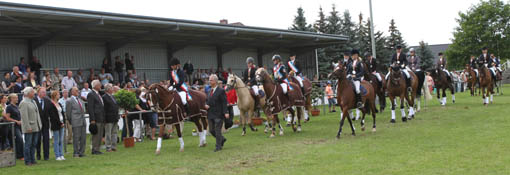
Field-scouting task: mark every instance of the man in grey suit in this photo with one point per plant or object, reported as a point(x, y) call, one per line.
point(216, 111)
point(95, 108)
point(31, 124)
point(75, 113)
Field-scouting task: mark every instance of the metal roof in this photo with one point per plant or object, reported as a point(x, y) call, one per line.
point(44, 23)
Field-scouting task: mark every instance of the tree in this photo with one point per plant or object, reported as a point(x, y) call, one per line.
point(484, 24)
point(300, 21)
point(363, 36)
point(348, 29)
point(395, 39)
point(334, 26)
point(320, 26)
point(425, 54)
point(334, 22)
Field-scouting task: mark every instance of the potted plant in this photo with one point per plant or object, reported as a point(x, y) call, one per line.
point(317, 94)
point(126, 100)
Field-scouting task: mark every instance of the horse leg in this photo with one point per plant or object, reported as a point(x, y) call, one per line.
point(410, 100)
point(444, 96)
point(291, 111)
point(251, 114)
point(373, 107)
point(352, 126)
point(179, 133)
point(196, 120)
point(160, 138)
point(273, 129)
point(300, 111)
point(392, 100)
point(402, 108)
point(204, 130)
point(342, 118)
point(243, 122)
point(279, 125)
point(452, 90)
point(439, 96)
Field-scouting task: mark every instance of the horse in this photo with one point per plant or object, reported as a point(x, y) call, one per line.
point(441, 82)
point(396, 87)
point(168, 105)
point(421, 90)
point(307, 86)
point(486, 84)
point(245, 101)
point(379, 88)
point(472, 80)
point(277, 101)
point(347, 100)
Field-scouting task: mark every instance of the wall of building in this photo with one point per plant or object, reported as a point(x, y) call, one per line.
point(10, 53)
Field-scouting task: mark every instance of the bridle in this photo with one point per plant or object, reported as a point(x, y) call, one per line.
point(234, 84)
point(156, 105)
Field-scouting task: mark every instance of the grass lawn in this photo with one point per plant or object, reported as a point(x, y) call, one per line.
point(461, 138)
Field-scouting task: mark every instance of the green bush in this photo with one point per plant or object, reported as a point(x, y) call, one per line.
point(317, 94)
point(126, 99)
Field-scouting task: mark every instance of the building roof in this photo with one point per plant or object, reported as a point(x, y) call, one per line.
point(44, 23)
point(435, 49)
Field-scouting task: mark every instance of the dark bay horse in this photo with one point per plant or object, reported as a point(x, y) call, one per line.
point(486, 84)
point(396, 87)
point(441, 82)
point(347, 100)
point(420, 91)
point(379, 88)
point(472, 79)
point(307, 86)
point(277, 101)
point(168, 105)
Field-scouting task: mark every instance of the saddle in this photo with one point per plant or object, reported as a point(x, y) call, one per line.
point(362, 89)
point(255, 97)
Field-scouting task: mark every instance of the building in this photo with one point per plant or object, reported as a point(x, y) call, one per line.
point(74, 39)
point(435, 49)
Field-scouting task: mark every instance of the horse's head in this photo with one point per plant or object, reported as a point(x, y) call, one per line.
point(261, 75)
point(339, 74)
point(231, 81)
point(154, 93)
point(395, 74)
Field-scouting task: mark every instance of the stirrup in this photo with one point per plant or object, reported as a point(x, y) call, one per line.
point(261, 94)
point(409, 89)
point(359, 105)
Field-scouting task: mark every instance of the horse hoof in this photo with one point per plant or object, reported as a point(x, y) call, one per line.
point(272, 136)
point(265, 131)
point(158, 152)
point(363, 128)
point(255, 129)
point(181, 150)
point(353, 134)
point(404, 119)
point(294, 129)
point(392, 121)
point(281, 133)
point(373, 129)
point(243, 133)
point(299, 129)
point(338, 137)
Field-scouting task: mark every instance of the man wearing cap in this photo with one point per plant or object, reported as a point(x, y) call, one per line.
point(372, 67)
point(441, 64)
point(279, 73)
point(177, 82)
point(355, 74)
point(250, 81)
point(400, 60)
point(295, 67)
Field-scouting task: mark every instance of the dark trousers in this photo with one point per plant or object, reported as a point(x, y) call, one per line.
point(45, 134)
point(215, 130)
point(31, 140)
point(19, 142)
point(97, 138)
point(79, 140)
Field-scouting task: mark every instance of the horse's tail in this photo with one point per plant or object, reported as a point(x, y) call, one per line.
point(421, 79)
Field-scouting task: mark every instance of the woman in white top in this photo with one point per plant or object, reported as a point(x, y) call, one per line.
point(57, 125)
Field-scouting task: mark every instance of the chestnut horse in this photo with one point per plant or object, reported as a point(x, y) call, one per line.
point(347, 100)
point(396, 87)
point(168, 105)
point(472, 79)
point(245, 101)
point(277, 101)
point(486, 84)
point(441, 82)
point(307, 86)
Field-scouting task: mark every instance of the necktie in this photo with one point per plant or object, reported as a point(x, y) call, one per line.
point(99, 96)
point(114, 101)
point(212, 91)
point(79, 103)
point(41, 101)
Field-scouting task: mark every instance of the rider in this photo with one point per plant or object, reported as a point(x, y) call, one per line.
point(177, 82)
point(372, 67)
point(399, 58)
point(355, 74)
point(495, 63)
point(414, 61)
point(484, 60)
point(279, 73)
point(472, 64)
point(441, 64)
point(296, 68)
point(250, 81)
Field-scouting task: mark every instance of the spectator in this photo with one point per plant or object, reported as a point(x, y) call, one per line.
point(18, 85)
point(232, 101)
point(105, 77)
point(43, 104)
point(30, 124)
point(130, 78)
point(79, 79)
point(56, 79)
point(216, 112)
point(7, 84)
point(32, 81)
point(75, 113)
point(22, 65)
point(57, 124)
point(430, 82)
point(204, 75)
point(119, 66)
point(26, 74)
point(330, 94)
point(107, 66)
point(134, 118)
point(5, 130)
point(46, 80)
point(12, 115)
point(111, 118)
point(16, 73)
point(69, 130)
point(188, 69)
point(95, 108)
point(150, 119)
point(92, 76)
point(68, 81)
point(36, 66)
point(129, 62)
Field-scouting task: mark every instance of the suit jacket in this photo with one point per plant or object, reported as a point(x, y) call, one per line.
point(95, 107)
point(414, 64)
point(371, 65)
point(111, 109)
point(249, 76)
point(296, 64)
point(401, 59)
point(43, 111)
point(484, 60)
point(29, 116)
point(217, 102)
point(441, 64)
point(54, 117)
point(472, 63)
point(75, 114)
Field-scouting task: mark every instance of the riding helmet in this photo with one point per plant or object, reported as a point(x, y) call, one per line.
point(354, 51)
point(174, 62)
point(250, 60)
point(276, 56)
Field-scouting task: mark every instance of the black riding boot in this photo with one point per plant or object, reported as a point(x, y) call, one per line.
point(186, 109)
point(359, 103)
point(303, 90)
point(408, 84)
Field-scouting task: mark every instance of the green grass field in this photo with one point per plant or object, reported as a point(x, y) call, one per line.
point(461, 138)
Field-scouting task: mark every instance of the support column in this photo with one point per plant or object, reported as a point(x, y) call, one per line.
point(219, 57)
point(260, 54)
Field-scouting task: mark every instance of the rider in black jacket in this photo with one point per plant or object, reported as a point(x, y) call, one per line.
point(355, 73)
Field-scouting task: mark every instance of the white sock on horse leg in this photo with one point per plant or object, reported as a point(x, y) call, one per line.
point(411, 111)
point(491, 97)
point(204, 136)
point(393, 114)
point(453, 97)
point(306, 114)
point(158, 147)
point(181, 141)
point(351, 114)
point(403, 111)
point(444, 100)
point(357, 114)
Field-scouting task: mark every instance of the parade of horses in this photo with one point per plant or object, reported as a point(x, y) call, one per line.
point(266, 112)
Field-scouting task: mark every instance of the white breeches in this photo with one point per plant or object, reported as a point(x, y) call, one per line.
point(499, 69)
point(284, 87)
point(182, 94)
point(476, 72)
point(378, 76)
point(356, 85)
point(255, 89)
point(493, 70)
point(300, 80)
point(446, 71)
point(407, 73)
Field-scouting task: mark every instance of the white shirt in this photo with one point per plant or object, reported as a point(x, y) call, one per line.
point(85, 92)
point(62, 103)
point(68, 83)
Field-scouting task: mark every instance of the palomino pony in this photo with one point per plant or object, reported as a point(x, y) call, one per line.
point(307, 86)
point(441, 82)
point(245, 101)
point(168, 105)
point(396, 87)
point(472, 79)
point(486, 84)
point(347, 99)
point(277, 101)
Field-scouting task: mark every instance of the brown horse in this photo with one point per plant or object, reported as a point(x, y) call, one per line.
point(379, 88)
point(472, 79)
point(486, 84)
point(307, 86)
point(396, 87)
point(277, 101)
point(347, 101)
point(168, 105)
point(442, 82)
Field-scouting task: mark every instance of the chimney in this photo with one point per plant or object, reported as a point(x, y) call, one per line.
point(224, 21)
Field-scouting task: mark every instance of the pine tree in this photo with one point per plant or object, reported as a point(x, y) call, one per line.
point(334, 26)
point(320, 26)
point(395, 39)
point(425, 54)
point(363, 35)
point(300, 21)
point(348, 29)
point(383, 53)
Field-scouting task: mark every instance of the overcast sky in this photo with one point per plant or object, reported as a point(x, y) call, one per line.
point(430, 20)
